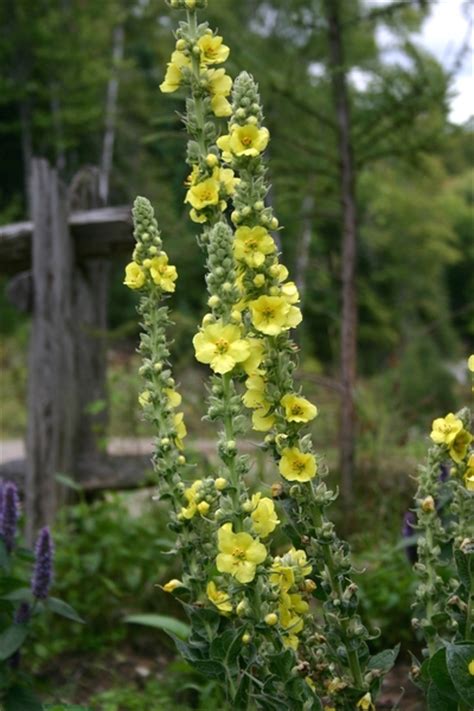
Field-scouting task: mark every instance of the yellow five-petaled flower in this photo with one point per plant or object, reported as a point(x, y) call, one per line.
point(239, 554)
point(296, 465)
point(221, 346)
point(298, 409)
point(273, 314)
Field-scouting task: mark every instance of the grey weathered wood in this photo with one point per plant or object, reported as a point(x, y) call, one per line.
point(52, 377)
point(101, 232)
point(114, 473)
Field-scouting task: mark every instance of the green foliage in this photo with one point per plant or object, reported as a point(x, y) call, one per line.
point(120, 542)
point(386, 594)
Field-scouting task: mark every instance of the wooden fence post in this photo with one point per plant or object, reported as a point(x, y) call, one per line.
point(52, 382)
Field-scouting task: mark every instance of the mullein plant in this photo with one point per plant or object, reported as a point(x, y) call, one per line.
point(278, 626)
point(444, 606)
point(21, 601)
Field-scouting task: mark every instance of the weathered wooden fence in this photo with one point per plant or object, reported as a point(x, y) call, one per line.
point(59, 264)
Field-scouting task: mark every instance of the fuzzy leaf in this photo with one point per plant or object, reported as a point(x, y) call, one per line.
point(458, 658)
point(19, 595)
point(11, 640)
point(464, 565)
point(161, 622)
point(384, 660)
point(62, 608)
point(439, 674)
point(437, 701)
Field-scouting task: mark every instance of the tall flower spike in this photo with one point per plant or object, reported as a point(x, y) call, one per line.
point(10, 515)
point(43, 570)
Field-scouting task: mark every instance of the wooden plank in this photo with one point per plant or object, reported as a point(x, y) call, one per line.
point(52, 378)
point(96, 233)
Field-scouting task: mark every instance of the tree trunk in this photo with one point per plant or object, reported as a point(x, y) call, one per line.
point(304, 245)
point(110, 115)
point(349, 248)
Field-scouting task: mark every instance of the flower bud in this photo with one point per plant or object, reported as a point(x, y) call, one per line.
point(180, 45)
point(171, 585)
point(259, 205)
point(236, 217)
point(147, 263)
point(271, 619)
point(212, 160)
point(220, 483)
point(428, 504)
point(277, 490)
point(309, 585)
point(203, 508)
point(259, 280)
point(274, 223)
point(236, 316)
point(246, 638)
point(181, 459)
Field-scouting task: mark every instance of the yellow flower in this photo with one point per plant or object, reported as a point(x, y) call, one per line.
point(290, 292)
point(273, 314)
point(245, 140)
point(239, 554)
point(262, 422)
point(264, 518)
point(471, 667)
point(191, 494)
point(257, 354)
point(219, 598)
point(469, 474)
point(171, 585)
point(365, 703)
point(291, 607)
point(298, 409)
point(212, 49)
point(226, 177)
point(299, 560)
point(144, 398)
point(470, 363)
point(252, 244)
point(196, 217)
point(163, 275)
point(279, 272)
point(180, 428)
point(221, 346)
point(254, 397)
point(134, 276)
point(445, 429)
point(174, 76)
point(203, 194)
point(296, 465)
point(282, 575)
point(174, 398)
point(220, 85)
point(459, 446)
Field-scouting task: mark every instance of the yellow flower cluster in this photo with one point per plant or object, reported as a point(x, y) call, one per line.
point(207, 51)
point(449, 431)
point(209, 191)
point(288, 575)
point(156, 270)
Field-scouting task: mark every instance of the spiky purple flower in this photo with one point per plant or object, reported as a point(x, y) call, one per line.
point(43, 570)
point(9, 515)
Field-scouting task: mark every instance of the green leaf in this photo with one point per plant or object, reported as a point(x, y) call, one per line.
point(59, 607)
point(439, 674)
point(11, 640)
point(384, 660)
point(282, 663)
point(4, 557)
point(20, 698)
point(19, 595)
point(214, 670)
point(437, 701)
point(458, 658)
point(463, 565)
point(241, 699)
point(161, 622)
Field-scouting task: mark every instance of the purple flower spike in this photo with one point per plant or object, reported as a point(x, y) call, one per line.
point(10, 514)
point(2, 485)
point(43, 572)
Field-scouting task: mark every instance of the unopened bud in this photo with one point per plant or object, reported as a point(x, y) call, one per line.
point(220, 483)
point(246, 638)
point(271, 619)
point(203, 508)
point(428, 504)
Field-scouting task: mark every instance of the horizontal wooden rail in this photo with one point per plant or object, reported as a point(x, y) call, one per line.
point(97, 233)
